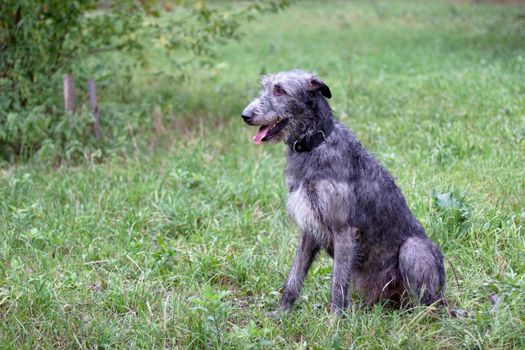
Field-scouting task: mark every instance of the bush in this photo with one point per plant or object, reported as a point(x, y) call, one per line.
point(41, 40)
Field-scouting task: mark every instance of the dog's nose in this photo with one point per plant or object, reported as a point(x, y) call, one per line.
point(246, 117)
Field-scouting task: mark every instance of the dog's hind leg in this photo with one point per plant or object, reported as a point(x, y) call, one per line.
point(422, 270)
point(305, 255)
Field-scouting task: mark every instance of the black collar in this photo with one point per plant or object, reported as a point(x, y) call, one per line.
point(309, 142)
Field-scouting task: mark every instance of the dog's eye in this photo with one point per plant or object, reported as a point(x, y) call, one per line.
point(278, 91)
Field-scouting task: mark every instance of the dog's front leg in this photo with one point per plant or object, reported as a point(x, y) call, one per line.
point(341, 271)
point(305, 255)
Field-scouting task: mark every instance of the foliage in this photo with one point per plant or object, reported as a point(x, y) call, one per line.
point(41, 40)
point(453, 212)
point(34, 45)
point(54, 138)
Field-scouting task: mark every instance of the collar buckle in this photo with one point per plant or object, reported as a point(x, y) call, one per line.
point(297, 148)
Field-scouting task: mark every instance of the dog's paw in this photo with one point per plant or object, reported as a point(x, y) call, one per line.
point(338, 312)
point(278, 313)
point(282, 310)
point(459, 313)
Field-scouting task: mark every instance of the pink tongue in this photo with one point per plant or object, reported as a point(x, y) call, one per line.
point(261, 134)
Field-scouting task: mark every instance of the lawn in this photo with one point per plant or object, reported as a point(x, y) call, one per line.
point(184, 242)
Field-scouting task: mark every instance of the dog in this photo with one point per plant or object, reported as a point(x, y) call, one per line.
point(343, 201)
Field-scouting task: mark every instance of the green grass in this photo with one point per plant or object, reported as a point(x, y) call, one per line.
point(185, 244)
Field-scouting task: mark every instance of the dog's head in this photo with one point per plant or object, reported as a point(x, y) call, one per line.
point(285, 99)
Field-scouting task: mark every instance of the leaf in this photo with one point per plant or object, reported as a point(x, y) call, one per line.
point(446, 201)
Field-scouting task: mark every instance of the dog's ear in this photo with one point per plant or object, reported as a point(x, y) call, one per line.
point(316, 84)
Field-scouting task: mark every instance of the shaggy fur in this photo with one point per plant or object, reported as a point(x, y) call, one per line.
point(345, 202)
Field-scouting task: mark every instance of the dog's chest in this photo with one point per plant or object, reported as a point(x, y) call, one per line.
point(318, 207)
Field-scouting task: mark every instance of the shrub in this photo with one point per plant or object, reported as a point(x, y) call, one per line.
point(41, 40)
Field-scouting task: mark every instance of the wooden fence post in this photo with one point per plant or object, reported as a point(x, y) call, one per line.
point(156, 119)
point(69, 93)
point(94, 107)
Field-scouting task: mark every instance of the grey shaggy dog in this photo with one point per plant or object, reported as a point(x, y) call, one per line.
point(343, 201)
